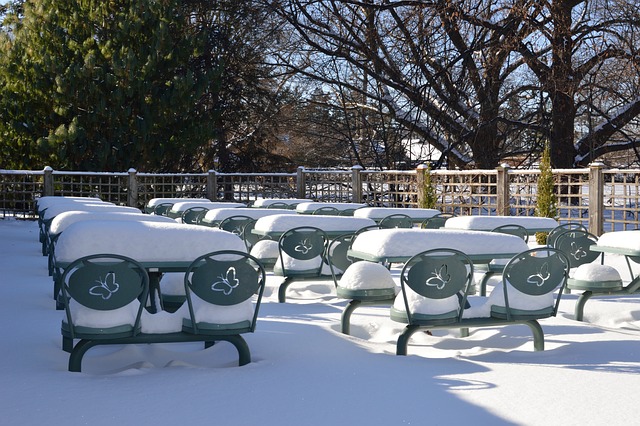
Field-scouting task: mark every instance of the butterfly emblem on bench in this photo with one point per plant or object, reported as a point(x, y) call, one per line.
point(577, 252)
point(304, 247)
point(107, 287)
point(439, 278)
point(541, 277)
point(226, 283)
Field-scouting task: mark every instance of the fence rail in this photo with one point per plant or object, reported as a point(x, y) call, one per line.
point(604, 200)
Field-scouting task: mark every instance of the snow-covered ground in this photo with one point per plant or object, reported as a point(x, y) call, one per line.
point(305, 372)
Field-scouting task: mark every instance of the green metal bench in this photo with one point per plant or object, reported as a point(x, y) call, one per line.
point(438, 280)
point(606, 282)
point(303, 245)
point(107, 286)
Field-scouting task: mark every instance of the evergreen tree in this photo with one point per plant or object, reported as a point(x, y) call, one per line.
point(546, 205)
point(106, 85)
point(430, 196)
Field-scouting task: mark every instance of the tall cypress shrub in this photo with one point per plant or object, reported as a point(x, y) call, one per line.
point(546, 205)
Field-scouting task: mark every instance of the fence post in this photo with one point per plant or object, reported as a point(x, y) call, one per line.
point(132, 190)
point(420, 171)
point(502, 190)
point(356, 184)
point(48, 181)
point(300, 185)
point(212, 186)
point(596, 198)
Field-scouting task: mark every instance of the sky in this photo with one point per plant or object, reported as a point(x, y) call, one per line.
point(305, 372)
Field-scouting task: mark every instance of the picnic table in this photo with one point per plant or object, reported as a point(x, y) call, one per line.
point(50, 213)
point(311, 207)
point(43, 203)
point(417, 215)
point(399, 245)
point(178, 208)
point(152, 203)
point(626, 243)
point(487, 223)
point(214, 216)
point(64, 220)
point(274, 226)
point(160, 247)
point(291, 202)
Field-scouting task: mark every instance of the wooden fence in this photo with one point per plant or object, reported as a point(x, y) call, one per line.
point(602, 199)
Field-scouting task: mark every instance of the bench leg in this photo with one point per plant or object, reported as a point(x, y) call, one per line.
point(67, 344)
point(282, 290)
point(483, 282)
point(403, 339)
point(582, 300)
point(81, 348)
point(538, 334)
point(244, 354)
point(345, 320)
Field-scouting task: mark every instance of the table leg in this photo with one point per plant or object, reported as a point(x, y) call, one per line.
point(155, 297)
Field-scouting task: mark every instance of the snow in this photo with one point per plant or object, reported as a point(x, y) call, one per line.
point(218, 215)
point(155, 201)
point(184, 205)
point(304, 371)
point(54, 210)
point(143, 241)
point(311, 206)
point(281, 223)
point(367, 275)
point(596, 272)
point(490, 222)
point(382, 212)
point(382, 243)
point(628, 240)
point(63, 220)
point(265, 202)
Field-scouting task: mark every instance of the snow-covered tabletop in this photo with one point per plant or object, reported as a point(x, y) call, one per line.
point(152, 203)
point(215, 216)
point(312, 206)
point(60, 208)
point(147, 242)
point(265, 202)
point(378, 213)
point(275, 225)
point(64, 220)
point(178, 208)
point(398, 245)
point(48, 201)
point(623, 242)
point(159, 247)
point(487, 223)
point(626, 243)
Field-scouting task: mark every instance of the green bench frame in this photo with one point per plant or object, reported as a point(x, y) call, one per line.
point(198, 276)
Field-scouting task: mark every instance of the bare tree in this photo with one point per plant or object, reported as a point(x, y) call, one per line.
point(445, 71)
point(481, 80)
point(584, 55)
